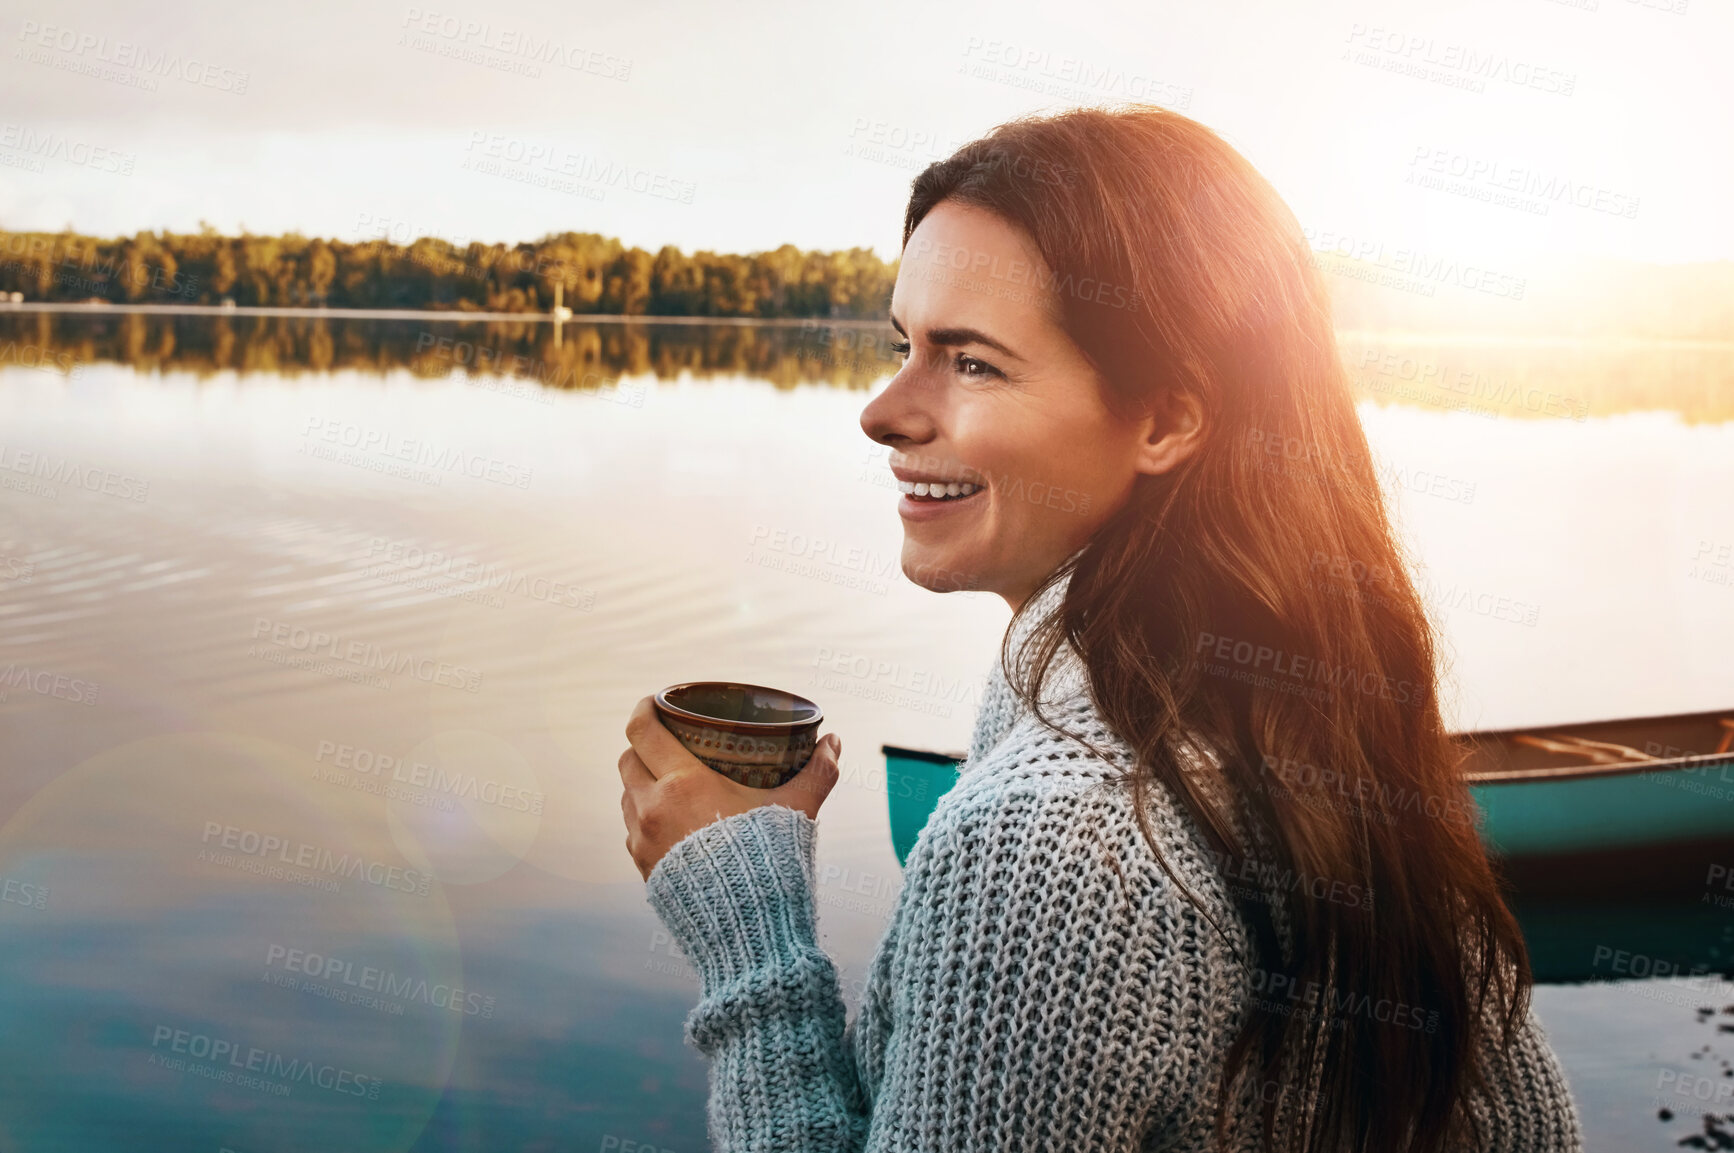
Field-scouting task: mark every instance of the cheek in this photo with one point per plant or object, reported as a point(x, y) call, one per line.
point(1046, 470)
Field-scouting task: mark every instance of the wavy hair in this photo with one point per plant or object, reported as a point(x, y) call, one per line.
point(1252, 608)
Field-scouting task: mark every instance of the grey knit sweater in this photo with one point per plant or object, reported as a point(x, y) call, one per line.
point(1041, 984)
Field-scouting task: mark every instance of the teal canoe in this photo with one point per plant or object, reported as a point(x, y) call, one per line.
point(1614, 837)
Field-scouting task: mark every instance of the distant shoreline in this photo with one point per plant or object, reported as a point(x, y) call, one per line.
point(453, 315)
point(1391, 337)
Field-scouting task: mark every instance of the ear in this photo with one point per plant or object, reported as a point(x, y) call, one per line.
point(1171, 433)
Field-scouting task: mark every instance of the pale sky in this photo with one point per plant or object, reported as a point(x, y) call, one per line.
point(745, 124)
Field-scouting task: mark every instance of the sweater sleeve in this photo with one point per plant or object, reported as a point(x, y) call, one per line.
point(737, 896)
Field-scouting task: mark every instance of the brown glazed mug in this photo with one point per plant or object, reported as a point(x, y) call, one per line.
point(753, 735)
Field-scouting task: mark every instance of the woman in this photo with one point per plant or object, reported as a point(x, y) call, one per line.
point(1209, 878)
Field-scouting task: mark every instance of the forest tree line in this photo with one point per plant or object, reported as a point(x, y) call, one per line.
point(598, 275)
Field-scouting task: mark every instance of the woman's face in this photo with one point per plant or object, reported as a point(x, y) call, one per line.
point(994, 392)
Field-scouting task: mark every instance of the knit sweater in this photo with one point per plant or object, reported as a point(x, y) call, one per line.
point(1041, 984)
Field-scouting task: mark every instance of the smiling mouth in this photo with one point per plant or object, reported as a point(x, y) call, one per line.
point(922, 492)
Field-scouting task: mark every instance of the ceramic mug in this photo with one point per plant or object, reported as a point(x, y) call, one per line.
point(756, 736)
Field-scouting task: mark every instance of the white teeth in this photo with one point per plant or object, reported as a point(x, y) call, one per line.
point(935, 489)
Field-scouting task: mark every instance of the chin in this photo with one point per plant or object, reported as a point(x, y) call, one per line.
point(937, 571)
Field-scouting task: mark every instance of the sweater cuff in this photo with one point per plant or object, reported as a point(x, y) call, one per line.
point(737, 894)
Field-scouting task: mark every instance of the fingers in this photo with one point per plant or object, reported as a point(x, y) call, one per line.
point(634, 775)
point(633, 772)
point(817, 777)
point(659, 750)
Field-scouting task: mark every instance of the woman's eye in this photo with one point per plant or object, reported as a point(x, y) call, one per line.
point(965, 363)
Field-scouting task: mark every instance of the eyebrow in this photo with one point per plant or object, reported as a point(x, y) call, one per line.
point(954, 337)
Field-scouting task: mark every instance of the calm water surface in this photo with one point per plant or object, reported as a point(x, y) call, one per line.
point(341, 640)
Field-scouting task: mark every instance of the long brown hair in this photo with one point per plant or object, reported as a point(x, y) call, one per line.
point(1252, 606)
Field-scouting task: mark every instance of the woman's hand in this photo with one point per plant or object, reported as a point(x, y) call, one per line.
point(670, 793)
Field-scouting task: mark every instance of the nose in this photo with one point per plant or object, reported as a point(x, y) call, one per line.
point(901, 414)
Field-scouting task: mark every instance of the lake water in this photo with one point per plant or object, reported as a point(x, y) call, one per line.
point(342, 637)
